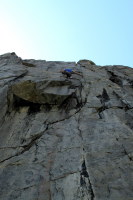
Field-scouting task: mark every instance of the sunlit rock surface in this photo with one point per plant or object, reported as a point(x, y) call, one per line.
point(65, 139)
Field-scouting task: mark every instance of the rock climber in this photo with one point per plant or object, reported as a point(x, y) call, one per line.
point(69, 72)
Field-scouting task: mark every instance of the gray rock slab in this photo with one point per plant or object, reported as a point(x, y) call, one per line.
point(65, 139)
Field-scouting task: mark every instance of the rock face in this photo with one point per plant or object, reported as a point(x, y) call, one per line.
point(65, 139)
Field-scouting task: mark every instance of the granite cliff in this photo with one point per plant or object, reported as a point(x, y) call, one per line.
point(65, 139)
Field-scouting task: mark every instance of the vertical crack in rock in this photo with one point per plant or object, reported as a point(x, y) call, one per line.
point(85, 182)
point(104, 98)
point(126, 153)
point(109, 191)
point(80, 132)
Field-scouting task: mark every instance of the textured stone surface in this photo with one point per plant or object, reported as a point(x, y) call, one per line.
point(65, 139)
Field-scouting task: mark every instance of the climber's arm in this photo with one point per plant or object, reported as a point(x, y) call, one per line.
point(77, 73)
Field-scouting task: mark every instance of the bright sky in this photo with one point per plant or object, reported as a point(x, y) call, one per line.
point(68, 30)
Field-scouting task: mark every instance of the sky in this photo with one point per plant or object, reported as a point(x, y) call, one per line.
point(68, 30)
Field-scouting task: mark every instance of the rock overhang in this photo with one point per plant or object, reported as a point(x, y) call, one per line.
point(42, 92)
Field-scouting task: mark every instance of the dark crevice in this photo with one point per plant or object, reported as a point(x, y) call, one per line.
point(47, 107)
point(33, 107)
point(8, 158)
point(129, 120)
point(82, 181)
point(83, 170)
point(73, 101)
point(104, 97)
point(109, 192)
point(25, 188)
point(84, 175)
point(119, 79)
point(131, 83)
point(80, 132)
point(125, 104)
point(68, 117)
point(115, 79)
point(70, 103)
point(101, 109)
point(126, 153)
point(18, 103)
